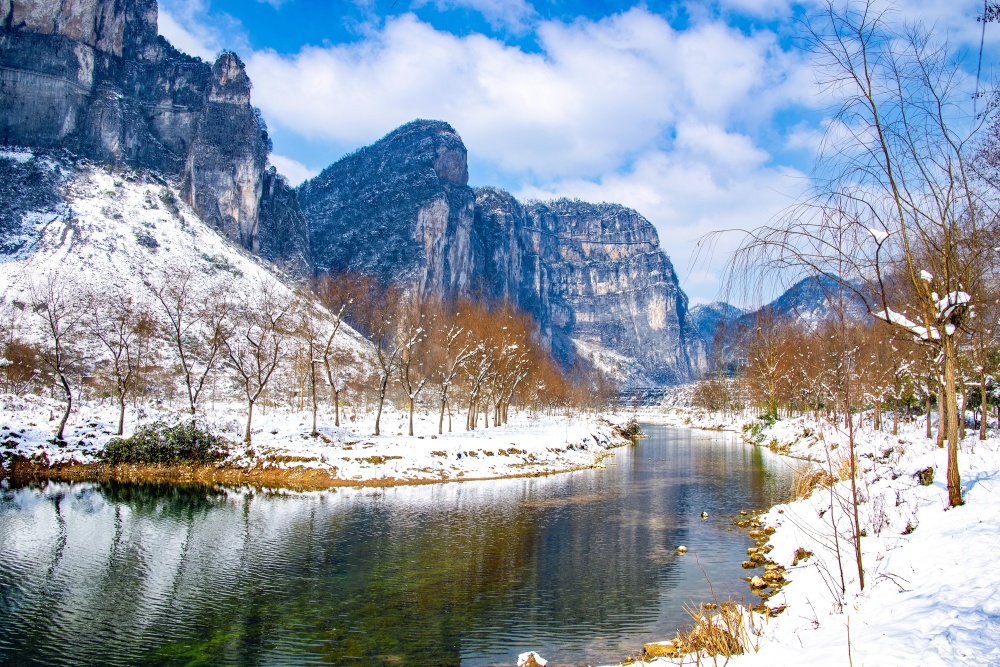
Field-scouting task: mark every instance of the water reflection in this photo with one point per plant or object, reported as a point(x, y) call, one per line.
point(580, 566)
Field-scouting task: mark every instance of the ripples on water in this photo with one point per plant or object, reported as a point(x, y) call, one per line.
point(580, 567)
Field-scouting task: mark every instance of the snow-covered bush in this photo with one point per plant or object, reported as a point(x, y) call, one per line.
point(158, 443)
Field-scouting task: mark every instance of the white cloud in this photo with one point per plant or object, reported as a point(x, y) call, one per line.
point(597, 94)
point(515, 15)
point(186, 40)
point(187, 25)
point(293, 170)
point(712, 181)
point(623, 109)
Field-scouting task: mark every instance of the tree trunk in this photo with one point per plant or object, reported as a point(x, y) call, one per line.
point(336, 407)
point(983, 407)
point(961, 414)
point(69, 406)
point(444, 403)
point(928, 402)
point(246, 434)
point(954, 479)
point(411, 415)
point(312, 379)
point(121, 414)
point(378, 414)
point(854, 490)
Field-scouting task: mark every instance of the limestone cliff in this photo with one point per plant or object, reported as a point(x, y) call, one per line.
point(284, 234)
point(592, 275)
point(596, 280)
point(93, 77)
point(400, 209)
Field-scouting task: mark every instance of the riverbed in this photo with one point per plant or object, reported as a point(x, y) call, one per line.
point(581, 567)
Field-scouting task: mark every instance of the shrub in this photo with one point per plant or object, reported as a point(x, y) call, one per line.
point(753, 431)
point(631, 429)
point(146, 240)
point(158, 443)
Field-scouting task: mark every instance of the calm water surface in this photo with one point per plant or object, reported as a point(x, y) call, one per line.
point(580, 567)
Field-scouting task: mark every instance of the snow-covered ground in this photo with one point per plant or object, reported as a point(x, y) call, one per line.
point(931, 593)
point(528, 445)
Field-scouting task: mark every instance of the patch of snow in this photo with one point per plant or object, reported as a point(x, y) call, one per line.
point(878, 235)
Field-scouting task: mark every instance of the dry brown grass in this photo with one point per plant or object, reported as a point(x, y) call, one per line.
point(719, 632)
point(842, 466)
point(804, 482)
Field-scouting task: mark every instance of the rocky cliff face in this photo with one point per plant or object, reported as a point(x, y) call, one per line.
point(284, 234)
point(595, 278)
point(592, 275)
point(92, 76)
point(400, 209)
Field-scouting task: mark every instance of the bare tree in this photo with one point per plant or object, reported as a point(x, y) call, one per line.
point(310, 334)
point(338, 294)
point(19, 364)
point(898, 218)
point(196, 323)
point(57, 303)
point(411, 339)
point(451, 348)
point(255, 345)
point(124, 326)
point(381, 324)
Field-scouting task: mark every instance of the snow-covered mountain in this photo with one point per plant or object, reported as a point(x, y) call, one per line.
point(707, 317)
point(815, 299)
point(594, 276)
point(809, 301)
point(99, 228)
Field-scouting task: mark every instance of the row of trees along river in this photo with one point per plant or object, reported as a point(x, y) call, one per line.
point(182, 338)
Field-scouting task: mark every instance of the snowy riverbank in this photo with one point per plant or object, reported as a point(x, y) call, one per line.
point(931, 591)
point(284, 452)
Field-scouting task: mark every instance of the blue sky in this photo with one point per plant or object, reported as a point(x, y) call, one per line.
point(700, 115)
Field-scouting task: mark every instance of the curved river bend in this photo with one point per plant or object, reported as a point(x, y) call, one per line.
point(581, 566)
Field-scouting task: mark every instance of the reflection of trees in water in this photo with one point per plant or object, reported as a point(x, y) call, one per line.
point(156, 498)
point(357, 581)
point(195, 575)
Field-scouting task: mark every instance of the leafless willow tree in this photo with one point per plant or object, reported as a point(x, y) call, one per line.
point(339, 295)
point(311, 335)
point(379, 320)
point(897, 217)
point(451, 347)
point(411, 341)
point(19, 358)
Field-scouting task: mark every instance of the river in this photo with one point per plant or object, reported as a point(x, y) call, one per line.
point(581, 567)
